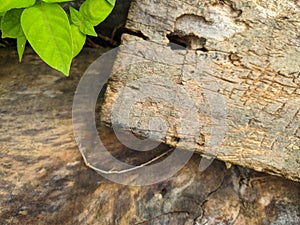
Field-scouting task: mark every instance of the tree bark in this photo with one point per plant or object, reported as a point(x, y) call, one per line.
point(229, 89)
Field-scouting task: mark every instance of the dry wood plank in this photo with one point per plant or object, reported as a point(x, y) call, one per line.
point(239, 74)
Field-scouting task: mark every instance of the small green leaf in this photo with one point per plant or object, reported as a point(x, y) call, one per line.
point(15, 4)
point(84, 25)
point(78, 39)
point(76, 16)
point(21, 42)
point(47, 29)
point(11, 27)
point(54, 1)
point(95, 11)
point(87, 28)
point(11, 24)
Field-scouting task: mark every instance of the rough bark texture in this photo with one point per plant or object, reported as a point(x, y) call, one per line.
point(240, 68)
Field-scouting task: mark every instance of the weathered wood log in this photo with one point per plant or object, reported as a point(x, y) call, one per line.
point(237, 82)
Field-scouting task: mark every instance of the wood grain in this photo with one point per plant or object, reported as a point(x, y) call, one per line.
point(238, 69)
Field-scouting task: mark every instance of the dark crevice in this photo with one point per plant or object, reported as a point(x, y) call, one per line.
point(125, 30)
point(116, 38)
point(175, 139)
point(175, 39)
point(190, 41)
point(207, 197)
point(163, 191)
point(203, 49)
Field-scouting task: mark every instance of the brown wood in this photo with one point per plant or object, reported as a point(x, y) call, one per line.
point(240, 69)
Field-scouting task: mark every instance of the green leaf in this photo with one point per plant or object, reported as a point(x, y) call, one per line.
point(84, 25)
point(11, 27)
point(47, 29)
point(95, 11)
point(15, 4)
point(78, 39)
point(87, 28)
point(76, 16)
point(21, 42)
point(111, 2)
point(54, 1)
point(11, 24)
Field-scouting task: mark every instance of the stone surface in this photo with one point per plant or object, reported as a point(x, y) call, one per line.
point(218, 196)
point(232, 91)
point(41, 171)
